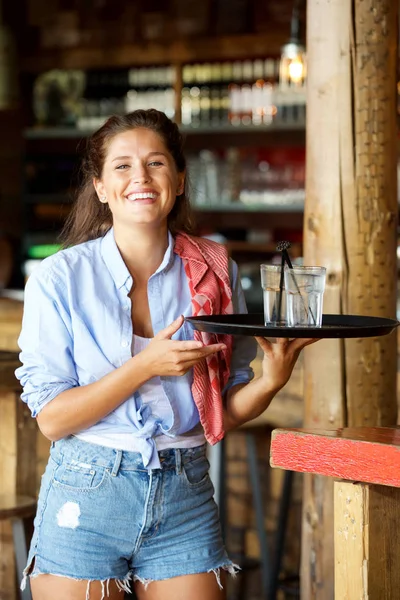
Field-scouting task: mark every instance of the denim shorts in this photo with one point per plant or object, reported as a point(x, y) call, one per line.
point(102, 515)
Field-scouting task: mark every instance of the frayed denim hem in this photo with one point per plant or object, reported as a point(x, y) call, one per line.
point(123, 585)
point(231, 568)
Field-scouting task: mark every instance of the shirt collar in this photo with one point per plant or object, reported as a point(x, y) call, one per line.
point(113, 259)
point(168, 256)
point(115, 263)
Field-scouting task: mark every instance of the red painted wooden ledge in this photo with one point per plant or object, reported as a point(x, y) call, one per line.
point(368, 454)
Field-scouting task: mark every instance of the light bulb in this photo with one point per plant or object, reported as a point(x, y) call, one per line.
point(292, 71)
point(296, 70)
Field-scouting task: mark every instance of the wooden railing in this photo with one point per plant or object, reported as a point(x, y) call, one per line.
point(365, 461)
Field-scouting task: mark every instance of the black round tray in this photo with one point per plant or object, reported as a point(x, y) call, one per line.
point(333, 326)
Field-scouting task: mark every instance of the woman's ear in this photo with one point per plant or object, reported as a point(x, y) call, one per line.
point(100, 191)
point(181, 184)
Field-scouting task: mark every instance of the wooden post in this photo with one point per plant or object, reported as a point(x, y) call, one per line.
point(350, 226)
point(366, 548)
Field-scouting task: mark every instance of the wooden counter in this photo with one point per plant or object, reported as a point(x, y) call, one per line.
point(10, 323)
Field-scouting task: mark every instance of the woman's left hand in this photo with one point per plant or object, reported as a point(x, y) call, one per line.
point(279, 359)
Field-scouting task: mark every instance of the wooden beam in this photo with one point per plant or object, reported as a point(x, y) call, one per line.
point(370, 210)
point(179, 51)
point(328, 64)
point(370, 454)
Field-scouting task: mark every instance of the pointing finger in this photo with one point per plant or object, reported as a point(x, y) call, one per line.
point(169, 331)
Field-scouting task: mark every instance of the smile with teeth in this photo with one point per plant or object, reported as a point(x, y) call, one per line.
point(142, 196)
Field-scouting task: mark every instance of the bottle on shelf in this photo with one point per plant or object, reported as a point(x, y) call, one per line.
point(251, 177)
point(152, 87)
point(238, 93)
point(103, 96)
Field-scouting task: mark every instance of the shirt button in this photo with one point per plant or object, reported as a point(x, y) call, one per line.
point(126, 307)
point(125, 343)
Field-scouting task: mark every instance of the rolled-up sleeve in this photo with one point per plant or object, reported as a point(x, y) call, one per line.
point(46, 342)
point(244, 347)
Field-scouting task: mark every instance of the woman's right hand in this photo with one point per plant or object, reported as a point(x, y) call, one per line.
point(166, 357)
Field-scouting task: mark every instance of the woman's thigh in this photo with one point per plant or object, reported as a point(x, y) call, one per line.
point(52, 587)
point(201, 586)
point(86, 523)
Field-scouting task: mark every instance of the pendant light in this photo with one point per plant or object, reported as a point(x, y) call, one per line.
point(292, 69)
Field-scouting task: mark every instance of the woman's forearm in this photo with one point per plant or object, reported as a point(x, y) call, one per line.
point(83, 406)
point(245, 402)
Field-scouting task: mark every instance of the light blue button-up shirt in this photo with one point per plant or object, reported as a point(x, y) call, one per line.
point(77, 327)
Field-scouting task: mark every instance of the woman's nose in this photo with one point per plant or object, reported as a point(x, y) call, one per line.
point(140, 174)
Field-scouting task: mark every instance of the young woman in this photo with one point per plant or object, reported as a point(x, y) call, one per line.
point(125, 390)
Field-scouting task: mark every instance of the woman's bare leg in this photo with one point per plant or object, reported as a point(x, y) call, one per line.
point(202, 586)
point(52, 587)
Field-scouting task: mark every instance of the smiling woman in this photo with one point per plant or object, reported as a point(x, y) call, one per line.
point(116, 146)
point(128, 394)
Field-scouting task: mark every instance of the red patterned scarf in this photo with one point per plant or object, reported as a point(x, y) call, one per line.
point(206, 267)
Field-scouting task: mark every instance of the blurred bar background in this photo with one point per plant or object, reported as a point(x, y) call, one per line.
point(218, 68)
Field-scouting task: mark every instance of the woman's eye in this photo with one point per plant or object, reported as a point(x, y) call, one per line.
point(122, 167)
point(155, 163)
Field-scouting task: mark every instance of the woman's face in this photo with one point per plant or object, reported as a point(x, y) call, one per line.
point(139, 181)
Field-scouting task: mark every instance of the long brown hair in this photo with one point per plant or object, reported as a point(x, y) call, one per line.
point(89, 218)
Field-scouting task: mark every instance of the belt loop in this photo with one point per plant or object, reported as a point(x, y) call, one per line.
point(117, 463)
point(178, 461)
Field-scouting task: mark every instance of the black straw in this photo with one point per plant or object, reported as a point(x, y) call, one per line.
point(281, 281)
point(283, 247)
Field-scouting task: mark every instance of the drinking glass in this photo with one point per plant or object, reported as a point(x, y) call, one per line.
point(304, 295)
point(274, 297)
